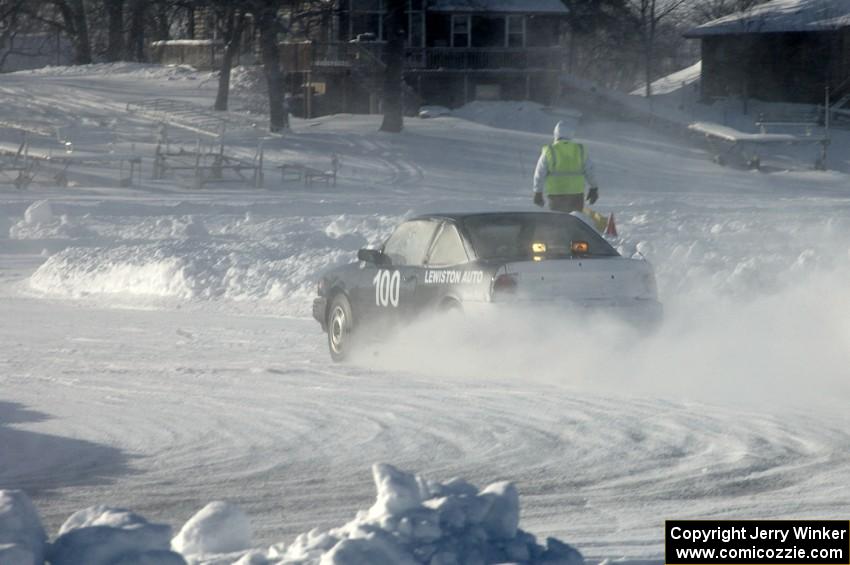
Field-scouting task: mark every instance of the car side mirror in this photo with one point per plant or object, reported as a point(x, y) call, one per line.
point(374, 256)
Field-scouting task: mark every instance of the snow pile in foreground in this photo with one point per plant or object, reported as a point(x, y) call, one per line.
point(416, 521)
point(413, 521)
point(22, 538)
point(101, 535)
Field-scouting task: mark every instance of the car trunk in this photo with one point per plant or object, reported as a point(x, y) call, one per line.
point(607, 280)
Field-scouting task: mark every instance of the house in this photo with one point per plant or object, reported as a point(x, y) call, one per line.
point(456, 51)
point(781, 51)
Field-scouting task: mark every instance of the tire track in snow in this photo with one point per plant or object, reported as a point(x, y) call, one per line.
point(230, 415)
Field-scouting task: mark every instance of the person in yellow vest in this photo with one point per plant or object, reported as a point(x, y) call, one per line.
point(563, 172)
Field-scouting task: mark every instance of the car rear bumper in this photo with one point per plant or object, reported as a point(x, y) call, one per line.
point(320, 308)
point(639, 312)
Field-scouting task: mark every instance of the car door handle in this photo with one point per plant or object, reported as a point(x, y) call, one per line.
point(409, 278)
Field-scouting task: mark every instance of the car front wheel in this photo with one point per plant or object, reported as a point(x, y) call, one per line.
point(340, 328)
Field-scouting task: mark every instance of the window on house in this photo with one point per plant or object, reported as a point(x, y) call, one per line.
point(367, 5)
point(515, 32)
point(416, 27)
point(367, 17)
point(460, 31)
point(488, 31)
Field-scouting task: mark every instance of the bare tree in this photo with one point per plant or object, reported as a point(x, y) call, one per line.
point(115, 26)
point(649, 15)
point(393, 72)
point(136, 33)
point(73, 21)
point(11, 16)
point(266, 15)
point(602, 42)
point(707, 10)
point(234, 19)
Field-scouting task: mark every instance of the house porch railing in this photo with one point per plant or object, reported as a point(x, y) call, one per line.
point(368, 55)
point(450, 58)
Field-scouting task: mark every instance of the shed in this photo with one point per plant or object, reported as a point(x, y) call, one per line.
point(781, 51)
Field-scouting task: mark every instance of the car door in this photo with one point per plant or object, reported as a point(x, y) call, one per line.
point(394, 284)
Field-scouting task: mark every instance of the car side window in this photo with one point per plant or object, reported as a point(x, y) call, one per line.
point(409, 243)
point(448, 249)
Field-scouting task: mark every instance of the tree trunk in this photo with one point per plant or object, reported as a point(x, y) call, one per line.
point(649, 47)
point(232, 35)
point(393, 73)
point(115, 23)
point(82, 43)
point(278, 117)
point(76, 26)
point(136, 39)
point(162, 23)
point(190, 19)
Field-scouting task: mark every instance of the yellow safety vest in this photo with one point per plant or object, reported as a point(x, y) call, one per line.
point(565, 162)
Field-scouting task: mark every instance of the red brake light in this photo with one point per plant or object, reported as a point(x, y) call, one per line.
point(504, 283)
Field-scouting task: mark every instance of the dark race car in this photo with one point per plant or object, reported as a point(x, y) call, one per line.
point(465, 262)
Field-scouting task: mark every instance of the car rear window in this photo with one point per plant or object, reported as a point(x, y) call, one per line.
point(511, 236)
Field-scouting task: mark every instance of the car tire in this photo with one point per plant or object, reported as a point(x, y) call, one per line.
point(452, 307)
point(340, 328)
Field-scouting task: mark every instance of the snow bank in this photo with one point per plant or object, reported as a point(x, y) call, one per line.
point(39, 212)
point(22, 537)
point(134, 70)
point(242, 260)
point(219, 527)
point(674, 81)
point(521, 115)
point(248, 88)
point(416, 521)
point(111, 536)
point(191, 270)
point(39, 222)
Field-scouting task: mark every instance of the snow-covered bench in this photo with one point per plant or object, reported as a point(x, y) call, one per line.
point(295, 172)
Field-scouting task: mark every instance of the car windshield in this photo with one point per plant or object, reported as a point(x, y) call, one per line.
point(514, 236)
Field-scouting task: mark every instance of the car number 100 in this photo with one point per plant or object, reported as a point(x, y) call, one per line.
point(387, 288)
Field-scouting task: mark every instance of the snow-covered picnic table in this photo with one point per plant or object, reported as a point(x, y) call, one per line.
point(726, 140)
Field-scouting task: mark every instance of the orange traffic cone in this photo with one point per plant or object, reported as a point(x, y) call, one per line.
point(611, 228)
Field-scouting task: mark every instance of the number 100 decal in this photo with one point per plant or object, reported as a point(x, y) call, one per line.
point(387, 288)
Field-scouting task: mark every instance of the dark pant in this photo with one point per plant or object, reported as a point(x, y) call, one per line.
point(566, 202)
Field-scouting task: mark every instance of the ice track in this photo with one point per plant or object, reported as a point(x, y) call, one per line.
point(206, 404)
point(120, 388)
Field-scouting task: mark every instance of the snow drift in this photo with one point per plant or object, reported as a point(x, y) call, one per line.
point(413, 521)
point(22, 537)
point(242, 258)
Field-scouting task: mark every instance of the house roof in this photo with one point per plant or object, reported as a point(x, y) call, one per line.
point(780, 16)
point(517, 6)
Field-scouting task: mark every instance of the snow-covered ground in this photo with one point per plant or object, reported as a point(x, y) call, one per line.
point(156, 351)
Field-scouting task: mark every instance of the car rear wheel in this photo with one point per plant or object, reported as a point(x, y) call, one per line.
point(340, 328)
